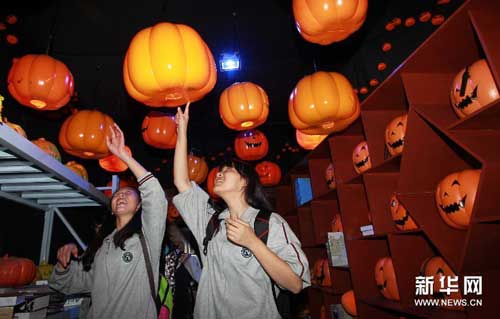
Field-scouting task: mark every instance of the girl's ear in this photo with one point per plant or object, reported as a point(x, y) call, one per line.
point(138, 207)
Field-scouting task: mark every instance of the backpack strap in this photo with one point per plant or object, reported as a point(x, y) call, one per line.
point(212, 226)
point(149, 270)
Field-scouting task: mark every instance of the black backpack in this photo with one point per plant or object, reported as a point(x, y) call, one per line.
point(261, 226)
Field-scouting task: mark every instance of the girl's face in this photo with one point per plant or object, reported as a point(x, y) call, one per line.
point(125, 201)
point(228, 180)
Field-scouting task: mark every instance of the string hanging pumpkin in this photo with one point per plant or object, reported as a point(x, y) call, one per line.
point(197, 169)
point(78, 169)
point(16, 127)
point(48, 147)
point(308, 142)
point(251, 145)
point(159, 130)
point(269, 173)
point(113, 164)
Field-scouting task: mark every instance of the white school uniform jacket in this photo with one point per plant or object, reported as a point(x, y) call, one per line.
point(233, 284)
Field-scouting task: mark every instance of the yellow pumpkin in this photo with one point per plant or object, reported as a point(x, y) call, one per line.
point(78, 169)
point(48, 147)
point(15, 127)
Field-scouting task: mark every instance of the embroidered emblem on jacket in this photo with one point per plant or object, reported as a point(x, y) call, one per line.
point(127, 257)
point(246, 253)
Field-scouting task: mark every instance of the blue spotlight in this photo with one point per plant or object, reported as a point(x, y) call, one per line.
point(229, 62)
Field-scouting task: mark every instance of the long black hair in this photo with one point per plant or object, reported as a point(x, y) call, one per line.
point(134, 226)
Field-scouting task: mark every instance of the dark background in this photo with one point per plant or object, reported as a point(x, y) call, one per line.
point(91, 38)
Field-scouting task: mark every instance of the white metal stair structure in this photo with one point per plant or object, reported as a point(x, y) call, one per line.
point(32, 177)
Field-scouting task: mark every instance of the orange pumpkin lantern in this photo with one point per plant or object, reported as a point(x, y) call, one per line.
point(11, 19)
point(48, 147)
point(83, 134)
point(197, 169)
point(437, 19)
point(374, 82)
point(159, 130)
point(325, 22)
point(385, 277)
point(395, 134)
point(472, 88)
point(78, 169)
point(455, 196)
point(400, 215)
point(381, 66)
point(172, 213)
point(386, 47)
point(124, 182)
point(363, 90)
point(348, 301)
point(40, 82)
point(251, 145)
point(437, 268)
point(168, 65)
point(16, 271)
point(323, 103)
point(308, 142)
point(330, 177)
point(211, 181)
point(321, 272)
point(396, 21)
point(19, 130)
point(409, 22)
point(425, 16)
point(12, 39)
point(269, 173)
point(390, 26)
point(113, 164)
point(337, 224)
point(361, 158)
point(243, 106)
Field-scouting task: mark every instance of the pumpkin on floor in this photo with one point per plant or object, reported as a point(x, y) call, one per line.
point(16, 271)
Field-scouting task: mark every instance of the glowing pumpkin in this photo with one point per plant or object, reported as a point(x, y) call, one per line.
point(251, 145)
point(437, 19)
point(385, 277)
point(113, 164)
point(348, 301)
point(159, 130)
point(425, 16)
point(197, 169)
point(16, 271)
point(269, 173)
point(473, 88)
point(323, 103)
point(78, 169)
point(321, 273)
point(400, 215)
point(48, 148)
point(40, 82)
point(327, 21)
point(83, 134)
point(381, 66)
point(308, 142)
point(15, 127)
point(330, 177)
point(243, 106)
point(168, 65)
point(361, 158)
point(455, 196)
point(395, 134)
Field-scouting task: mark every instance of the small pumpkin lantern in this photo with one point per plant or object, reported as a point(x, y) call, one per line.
point(400, 215)
point(251, 145)
point(330, 177)
point(425, 16)
point(15, 127)
point(16, 271)
point(111, 163)
point(381, 66)
point(437, 19)
point(44, 270)
point(211, 181)
point(437, 268)
point(168, 65)
point(197, 169)
point(321, 272)
point(243, 106)
point(308, 142)
point(159, 130)
point(473, 88)
point(337, 224)
point(78, 169)
point(269, 173)
point(172, 213)
point(124, 182)
point(386, 47)
point(327, 22)
point(361, 158)
point(83, 134)
point(48, 147)
point(385, 277)
point(395, 134)
point(323, 103)
point(455, 196)
point(410, 22)
point(348, 301)
point(40, 82)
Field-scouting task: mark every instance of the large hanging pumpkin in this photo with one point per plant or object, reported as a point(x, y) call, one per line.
point(400, 215)
point(40, 82)
point(251, 145)
point(78, 169)
point(197, 169)
point(437, 268)
point(385, 277)
point(16, 271)
point(159, 130)
point(455, 196)
point(83, 134)
point(361, 158)
point(395, 134)
point(269, 173)
point(348, 301)
point(48, 147)
point(327, 21)
point(243, 106)
point(16, 127)
point(321, 273)
point(472, 88)
point(308, 142)
point(323, 103)
point(124, 182)
point(112, 163)
point(168, 65)
point(330, 177)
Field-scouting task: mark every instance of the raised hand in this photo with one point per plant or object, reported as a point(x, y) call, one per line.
point(64, 254)
point(182, 119)
point(116, 142)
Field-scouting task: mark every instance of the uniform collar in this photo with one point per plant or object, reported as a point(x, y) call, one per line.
point(246, 216)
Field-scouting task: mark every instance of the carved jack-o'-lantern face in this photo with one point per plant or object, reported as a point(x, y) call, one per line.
point(269, 173)
point(337, 223)
point(395, 134)
point(437, 268)
point(251, 145)
point(472, 88)
point(361, 158)
point(400, 215)
point(455, 196)
point(385, 277)
point(330, 177)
